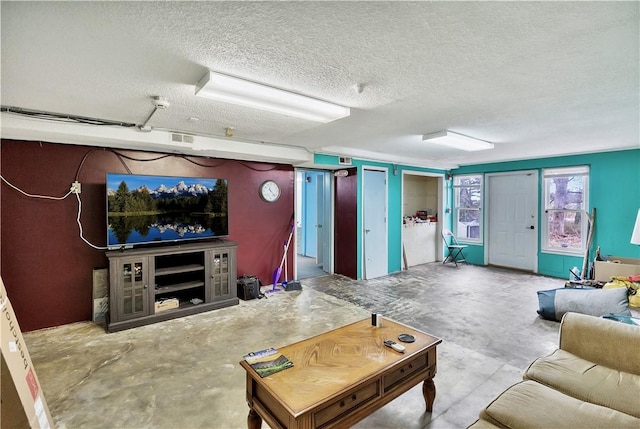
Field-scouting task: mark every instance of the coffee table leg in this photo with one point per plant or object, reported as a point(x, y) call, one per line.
point(429, 393)
point(254, 421)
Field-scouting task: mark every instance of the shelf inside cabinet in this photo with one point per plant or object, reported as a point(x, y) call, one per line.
point(178, 286)
point(179, 269)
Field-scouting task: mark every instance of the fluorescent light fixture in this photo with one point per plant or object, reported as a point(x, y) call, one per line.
point(635, 235)
point(457, 141)
point(229, 89)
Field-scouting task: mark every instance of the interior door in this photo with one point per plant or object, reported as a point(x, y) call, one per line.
point(310, 219)
point(513, 220)
point(375, 223)
point(345, 215)
point(323, 257)
point(319, 219)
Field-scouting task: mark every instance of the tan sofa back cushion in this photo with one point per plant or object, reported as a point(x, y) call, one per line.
point(601, 341)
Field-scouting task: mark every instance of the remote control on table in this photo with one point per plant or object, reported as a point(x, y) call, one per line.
point(395, 346)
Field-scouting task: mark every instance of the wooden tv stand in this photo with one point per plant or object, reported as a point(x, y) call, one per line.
point(341, 376)
point(148, 285)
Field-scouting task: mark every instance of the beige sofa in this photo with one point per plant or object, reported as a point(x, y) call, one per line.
point(591, 381)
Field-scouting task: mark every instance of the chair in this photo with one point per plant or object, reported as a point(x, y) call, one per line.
point(454, 249)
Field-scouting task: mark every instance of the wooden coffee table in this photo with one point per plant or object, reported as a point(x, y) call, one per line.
point(342, 376)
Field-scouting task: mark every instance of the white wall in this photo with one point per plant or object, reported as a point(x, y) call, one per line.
point(420, 193)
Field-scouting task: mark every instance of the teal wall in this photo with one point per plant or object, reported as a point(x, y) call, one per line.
point(614, 190)
point(394, 186)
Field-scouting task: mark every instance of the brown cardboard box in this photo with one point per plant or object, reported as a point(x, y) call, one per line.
point(604, 270)
point(167, 304)
point(22, 404)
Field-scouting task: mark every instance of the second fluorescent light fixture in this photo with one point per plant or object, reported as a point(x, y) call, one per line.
point(457, 141)
point(221, 87)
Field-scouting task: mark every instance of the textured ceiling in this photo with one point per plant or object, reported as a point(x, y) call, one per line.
point(536, 78)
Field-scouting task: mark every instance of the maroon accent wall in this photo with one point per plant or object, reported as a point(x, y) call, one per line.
point(346, 224)
point(48, 270)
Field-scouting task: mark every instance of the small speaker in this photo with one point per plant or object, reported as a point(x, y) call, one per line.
point(248, 287)
point(376, 320)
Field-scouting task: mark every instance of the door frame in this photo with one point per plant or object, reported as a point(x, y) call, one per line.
point(442, 195)
point(363, 261)
point(487, 200)
point(328, 266)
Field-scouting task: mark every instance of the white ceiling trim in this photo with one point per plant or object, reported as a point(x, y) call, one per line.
point(385, 157)
point(24, 128)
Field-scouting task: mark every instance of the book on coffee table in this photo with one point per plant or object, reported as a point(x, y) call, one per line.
point(252, 357)
point(267, 362)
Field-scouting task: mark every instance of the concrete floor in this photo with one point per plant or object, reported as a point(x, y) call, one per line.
point(307, 267)
point(184, 373)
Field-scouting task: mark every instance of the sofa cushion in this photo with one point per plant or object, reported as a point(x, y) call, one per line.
point(529, 405)
point(587, 381)
point(601, 341)
point(554, 303)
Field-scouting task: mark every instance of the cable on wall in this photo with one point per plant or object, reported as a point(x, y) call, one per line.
point(257, 169)
point(80, 226)
point(186, 158)
point(121, 157)
point(34, 195)
point(11, 185)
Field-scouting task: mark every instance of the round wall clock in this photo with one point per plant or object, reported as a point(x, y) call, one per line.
point(269, 191)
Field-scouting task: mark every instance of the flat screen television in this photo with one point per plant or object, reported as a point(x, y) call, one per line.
point(145, 209)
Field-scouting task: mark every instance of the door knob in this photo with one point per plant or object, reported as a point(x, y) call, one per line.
point(531, 227)
point(367, 230)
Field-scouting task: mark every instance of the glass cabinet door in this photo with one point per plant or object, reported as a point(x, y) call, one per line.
point(134, 299)
point(220, 274)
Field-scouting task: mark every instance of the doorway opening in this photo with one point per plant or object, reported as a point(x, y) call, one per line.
point(423, 212)
point(314, 223)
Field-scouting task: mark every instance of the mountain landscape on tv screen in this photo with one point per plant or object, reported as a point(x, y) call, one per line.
point(143, 209)
point(162, 191)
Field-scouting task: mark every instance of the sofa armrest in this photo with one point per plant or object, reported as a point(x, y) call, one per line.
point(601, 341)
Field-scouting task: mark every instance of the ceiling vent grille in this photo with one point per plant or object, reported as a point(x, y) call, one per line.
point(182, 138)
point(344, 160)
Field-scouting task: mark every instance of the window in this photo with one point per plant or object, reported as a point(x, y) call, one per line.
point(467, 217)
point(565, 220)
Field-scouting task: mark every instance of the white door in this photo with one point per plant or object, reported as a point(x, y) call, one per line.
point(323, 218)
point(513, 220)
point(319, 219)
point(375, 223)
point(326, 229)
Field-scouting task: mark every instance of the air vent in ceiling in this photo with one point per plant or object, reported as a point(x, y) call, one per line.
point(181, 138)
point(344, 160)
